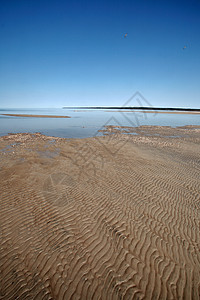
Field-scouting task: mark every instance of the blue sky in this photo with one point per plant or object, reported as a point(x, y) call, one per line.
point(61, 53)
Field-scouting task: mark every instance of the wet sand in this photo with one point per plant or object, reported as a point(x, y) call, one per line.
point(34, 116)
point(111, 217)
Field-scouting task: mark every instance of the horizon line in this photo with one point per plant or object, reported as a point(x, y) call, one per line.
point(133, 107)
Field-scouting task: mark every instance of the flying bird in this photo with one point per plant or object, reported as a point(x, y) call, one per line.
point(184, 47)
point(125, 35)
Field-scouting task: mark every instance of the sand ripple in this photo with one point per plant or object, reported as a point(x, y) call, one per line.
point(129, 232)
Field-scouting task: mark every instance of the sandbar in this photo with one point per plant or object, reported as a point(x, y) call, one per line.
point(35, 116)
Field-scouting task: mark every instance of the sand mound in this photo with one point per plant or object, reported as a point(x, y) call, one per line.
point(115, 217)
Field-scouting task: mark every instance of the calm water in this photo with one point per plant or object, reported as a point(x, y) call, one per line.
point(85, 123)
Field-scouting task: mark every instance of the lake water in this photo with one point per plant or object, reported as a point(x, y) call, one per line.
point(85, 123)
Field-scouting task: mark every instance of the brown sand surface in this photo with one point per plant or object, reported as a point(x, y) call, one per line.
point(113, 217)
point(35, 116)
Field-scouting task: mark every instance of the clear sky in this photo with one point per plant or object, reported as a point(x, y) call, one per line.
point(61, 53)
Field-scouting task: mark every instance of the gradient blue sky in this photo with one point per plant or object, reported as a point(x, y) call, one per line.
point(62, 53)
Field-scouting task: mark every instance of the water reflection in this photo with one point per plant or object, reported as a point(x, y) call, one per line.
point(86, 123)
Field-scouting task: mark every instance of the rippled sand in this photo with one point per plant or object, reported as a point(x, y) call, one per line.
point(113, 217)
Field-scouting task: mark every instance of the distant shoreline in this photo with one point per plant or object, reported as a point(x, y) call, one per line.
point(34, 116)
point(139, 108)
point(152, 112)
point(167, 112)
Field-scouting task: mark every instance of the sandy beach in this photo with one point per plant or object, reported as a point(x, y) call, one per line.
point(111, 217)
point(157, 112)
point(168, 112)
point(34, 116)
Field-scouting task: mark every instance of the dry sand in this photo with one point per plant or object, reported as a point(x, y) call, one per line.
point(113, 217)
point(34, 116)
